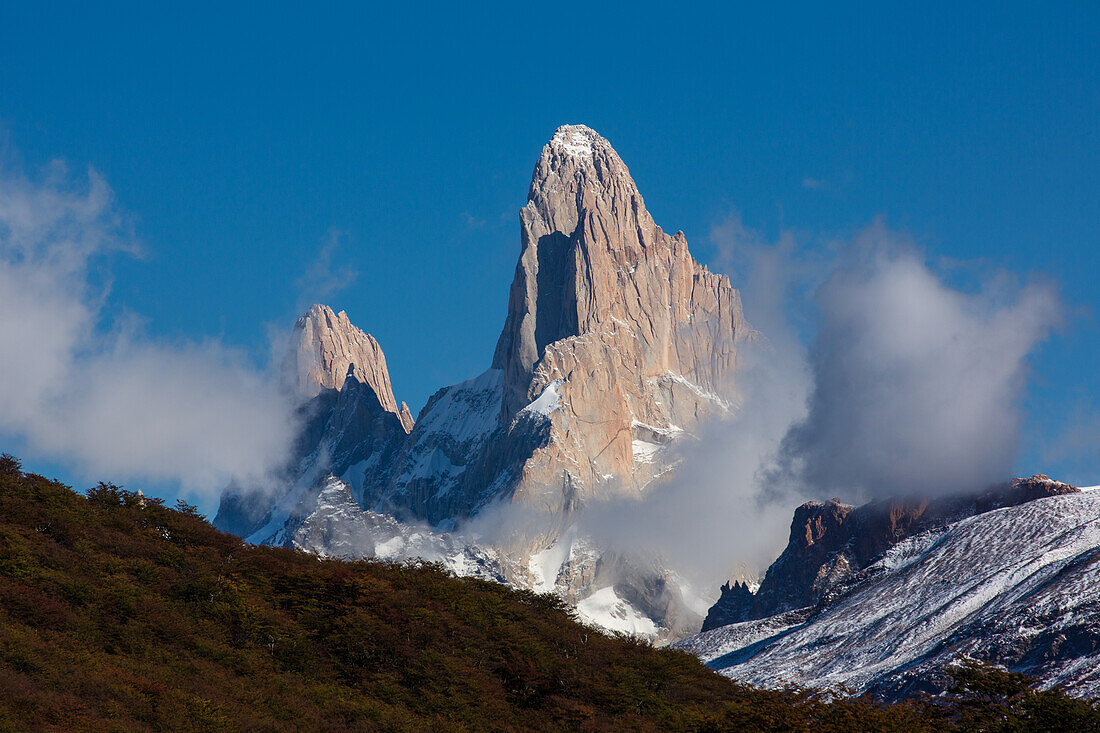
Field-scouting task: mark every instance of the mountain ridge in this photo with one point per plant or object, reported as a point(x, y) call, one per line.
point(1015, 583)
point(831, 542)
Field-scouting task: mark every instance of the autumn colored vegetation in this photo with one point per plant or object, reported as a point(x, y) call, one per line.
point(119, 613)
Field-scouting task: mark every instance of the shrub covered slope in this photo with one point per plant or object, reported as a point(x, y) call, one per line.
point(118, 613)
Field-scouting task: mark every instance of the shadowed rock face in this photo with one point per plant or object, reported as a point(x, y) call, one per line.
point(734, 605)
point(1010, 577)
point(831, 542)
point(349, 417)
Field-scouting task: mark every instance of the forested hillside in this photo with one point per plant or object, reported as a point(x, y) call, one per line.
point(117, 612)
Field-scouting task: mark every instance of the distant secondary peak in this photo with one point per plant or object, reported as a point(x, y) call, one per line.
point(326, 349)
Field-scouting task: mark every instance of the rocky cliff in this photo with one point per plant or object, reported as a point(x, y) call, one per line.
point(324, 346)
point(614, 332)
point(350, 423)
point(616, 341)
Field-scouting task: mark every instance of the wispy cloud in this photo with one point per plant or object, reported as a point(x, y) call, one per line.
point(814, 184)
point(916, 385)
point(472, 222)
point(908, 385)
point(101, 396)
point(326, 275)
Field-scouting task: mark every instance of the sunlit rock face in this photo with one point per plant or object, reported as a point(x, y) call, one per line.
point(322, 349)
point(634, 339)
point(616, 341)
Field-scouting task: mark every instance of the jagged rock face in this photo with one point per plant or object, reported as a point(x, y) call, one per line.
point(362, 439)
point(594, 262)
point(616, 341)
point(350, 424)
point(634, 338)
point(360, 429)
point(831, 542)
point(733, 606)
point(322, 349)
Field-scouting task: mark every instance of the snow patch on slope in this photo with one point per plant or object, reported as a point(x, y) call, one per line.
point(545, 565)
point(645, 452)
point(451, 430)
point(468, 410)
point(548, 401)
point(606, 610)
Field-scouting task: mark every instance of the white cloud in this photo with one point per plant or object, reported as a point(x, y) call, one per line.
point(114, 405)
point(916, 385)
point(323, 278)
point(716, 513)
point(909, 385)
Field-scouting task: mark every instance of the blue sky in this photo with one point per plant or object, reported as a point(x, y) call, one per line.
point(240, 141)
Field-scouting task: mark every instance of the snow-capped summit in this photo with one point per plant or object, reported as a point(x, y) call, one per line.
point(575, 140)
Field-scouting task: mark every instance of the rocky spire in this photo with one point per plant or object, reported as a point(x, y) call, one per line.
point(593, 261)
point(325, 348)
point(578, 175)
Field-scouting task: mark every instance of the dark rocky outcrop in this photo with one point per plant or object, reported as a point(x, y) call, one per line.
point(735, 604)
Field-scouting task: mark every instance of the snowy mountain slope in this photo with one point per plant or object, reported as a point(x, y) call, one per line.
point(830, 542)
point(440, 473)
point(1018, 586)
point(333, 524)
point(328, 521)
